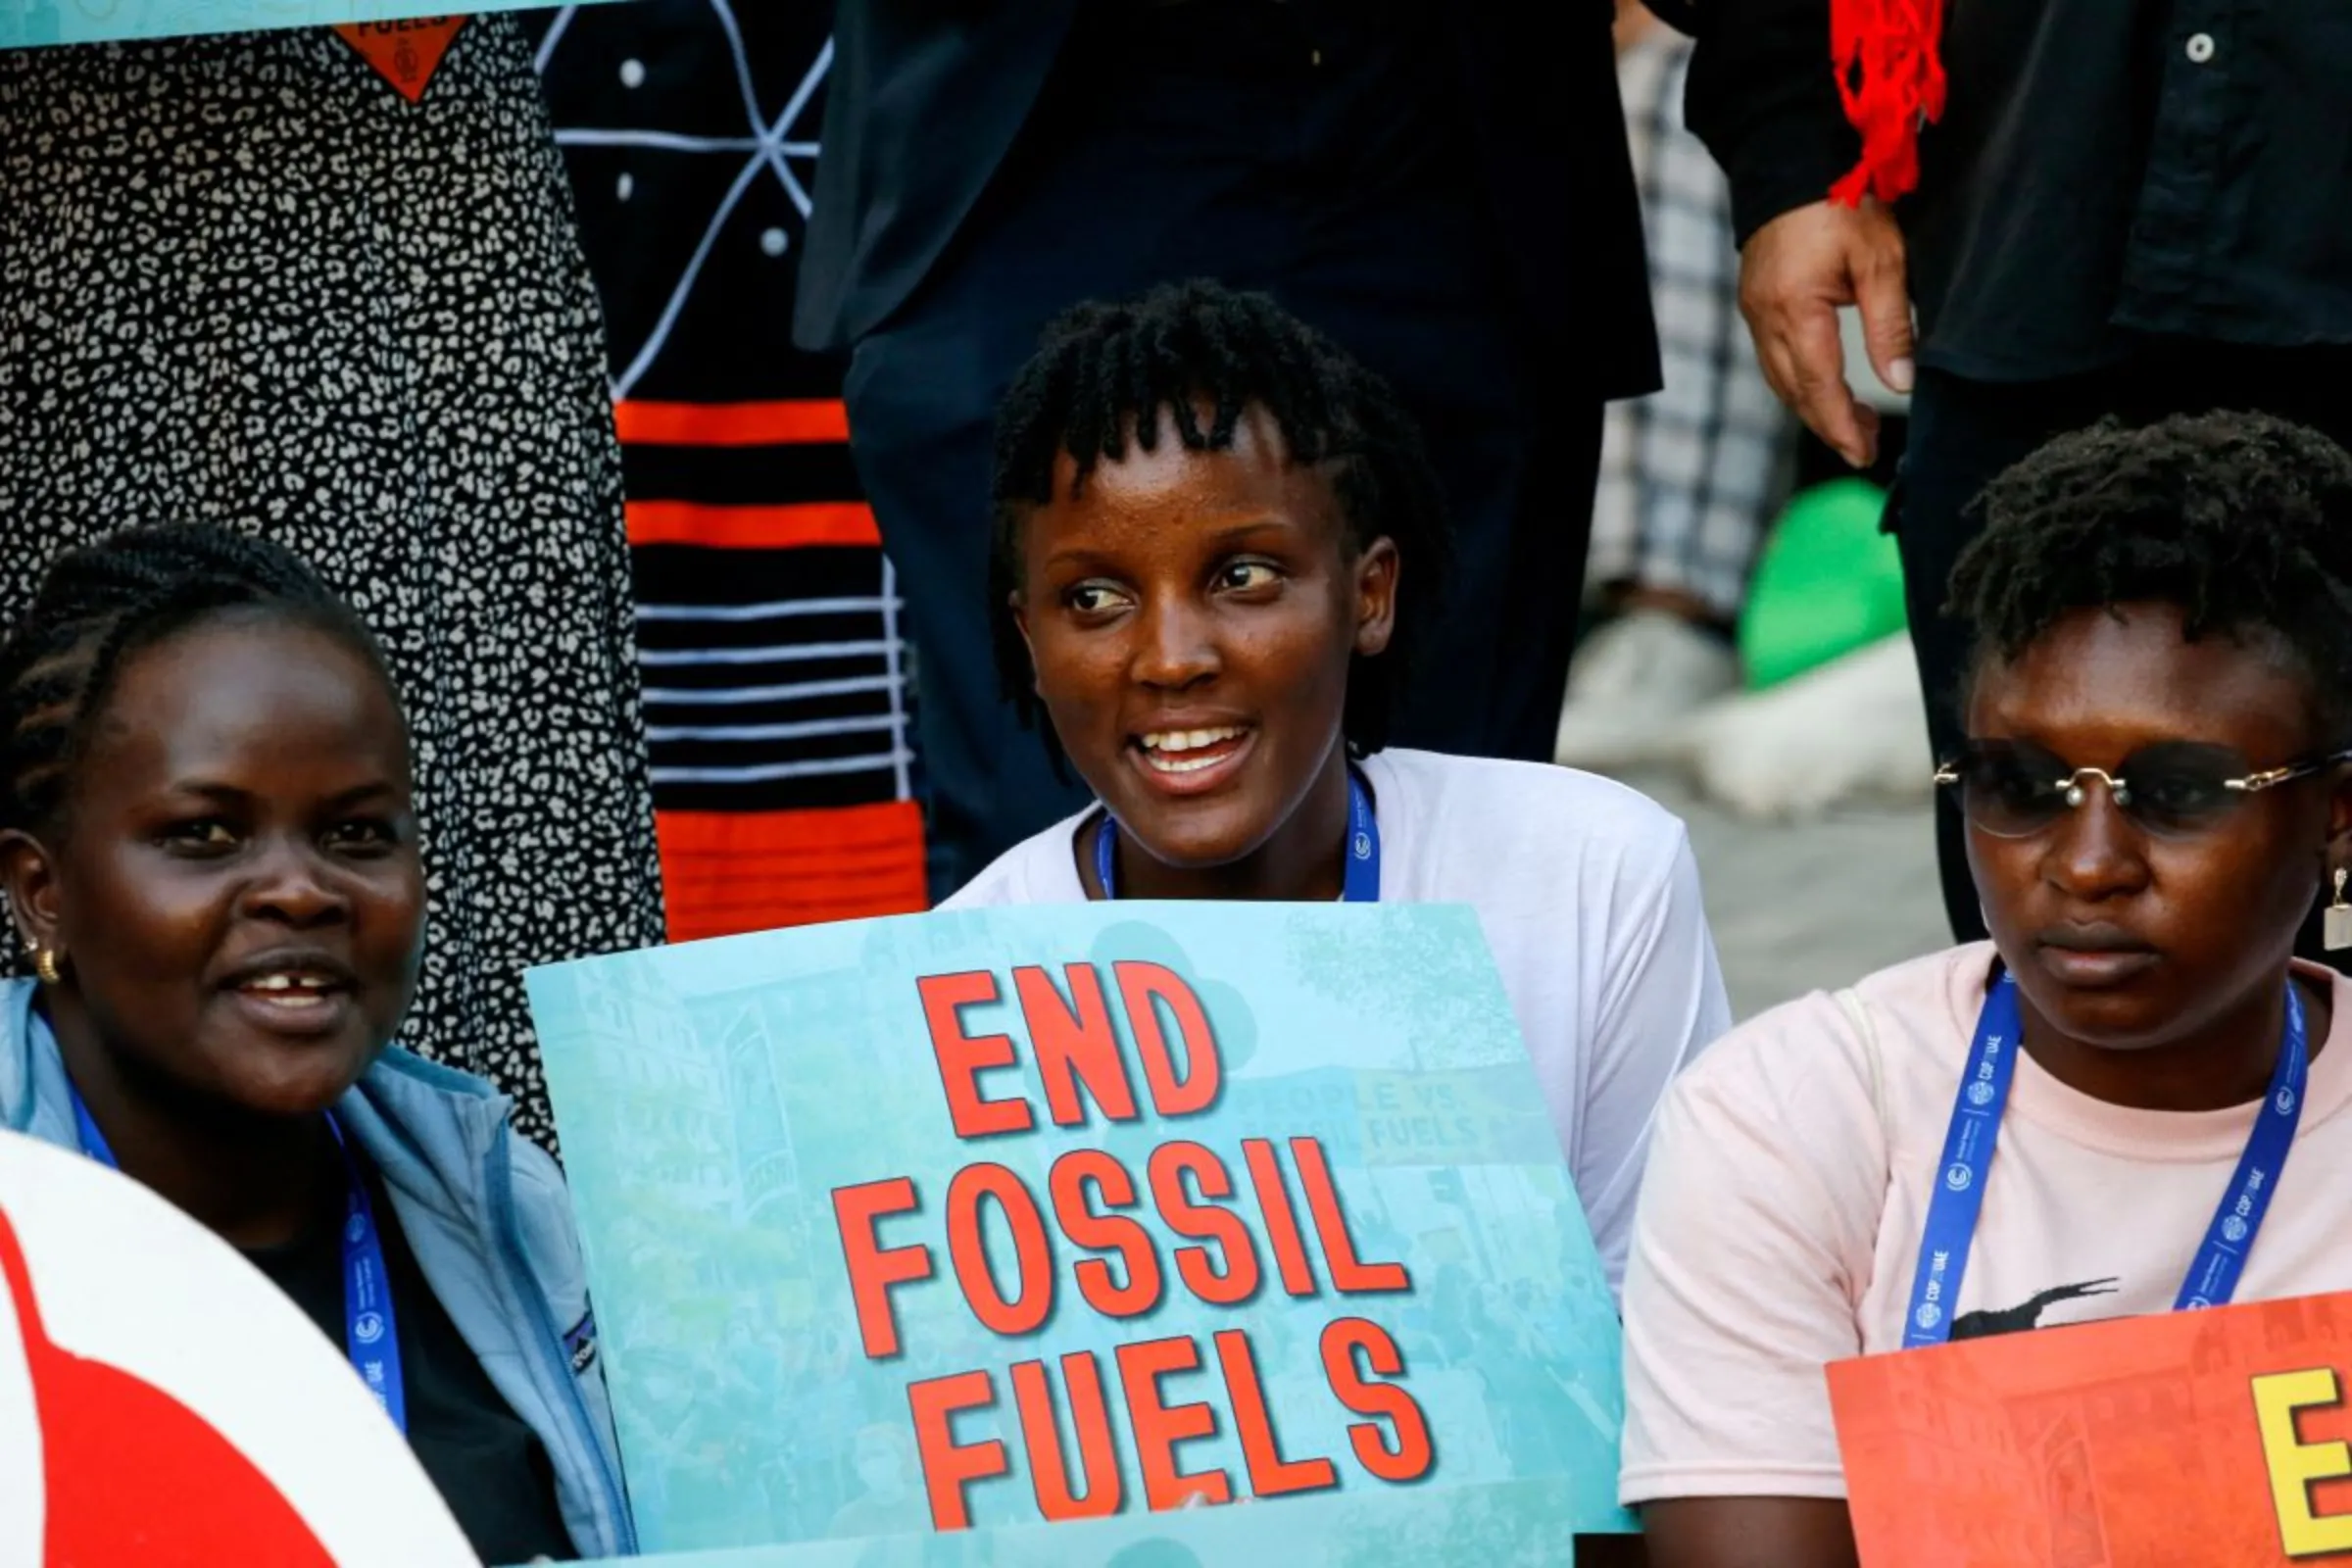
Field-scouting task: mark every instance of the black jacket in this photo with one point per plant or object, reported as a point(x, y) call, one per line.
point(927, 96)
point(2105, 170)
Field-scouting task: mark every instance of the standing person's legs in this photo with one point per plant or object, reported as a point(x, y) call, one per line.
point(1550, 533)
point(1518, 462)
point(1963, 433)
point(1497, 669)
point(922, 402)
point(1412, 287)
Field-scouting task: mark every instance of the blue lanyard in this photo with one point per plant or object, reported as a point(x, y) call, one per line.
point(1952, 1225)
point(1363, 881)
point(371, 1333)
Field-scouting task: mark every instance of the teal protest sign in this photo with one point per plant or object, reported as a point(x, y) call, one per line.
point(979, 1221)
point(1506, 1524)
point(27, 23)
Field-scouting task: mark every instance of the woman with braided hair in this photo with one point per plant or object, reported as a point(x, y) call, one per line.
point(249, 281)
point(2136, 1078)
point(209, 842)
point(1218, 546)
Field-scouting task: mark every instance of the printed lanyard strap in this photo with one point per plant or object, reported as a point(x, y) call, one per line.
point(1363, 882)
point(1952, 1225)
point(371, 1331)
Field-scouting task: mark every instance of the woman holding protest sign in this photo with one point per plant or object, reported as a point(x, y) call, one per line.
point(1218, 541)
point(210, 850)
point(2155, 786)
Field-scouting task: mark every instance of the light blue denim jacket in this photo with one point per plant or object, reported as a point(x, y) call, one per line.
point(485, 1212)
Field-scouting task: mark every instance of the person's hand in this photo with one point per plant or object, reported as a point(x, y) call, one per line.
point(1794, 273)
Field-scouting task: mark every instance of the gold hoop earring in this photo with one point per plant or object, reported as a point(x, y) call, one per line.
point(44, 964)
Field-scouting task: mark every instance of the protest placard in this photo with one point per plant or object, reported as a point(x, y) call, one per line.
point(161, 1401)
point(1510, 1524)
point(32, 24)
point(982, 1221)
point(2209, 1436)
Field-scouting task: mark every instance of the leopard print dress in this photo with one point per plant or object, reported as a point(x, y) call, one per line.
point(243, 280)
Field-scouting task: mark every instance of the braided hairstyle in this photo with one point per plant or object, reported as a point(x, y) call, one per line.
point(2241, 520)
point(105, 602)
point(1102, 375)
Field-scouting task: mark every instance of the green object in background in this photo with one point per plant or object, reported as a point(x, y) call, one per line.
point(1827, 583)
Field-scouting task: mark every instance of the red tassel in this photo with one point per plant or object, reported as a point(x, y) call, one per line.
point(1890, 77)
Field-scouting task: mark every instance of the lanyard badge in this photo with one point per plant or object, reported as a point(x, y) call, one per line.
point(1975, 1126)
point(371, 1331)
point(1362, 876)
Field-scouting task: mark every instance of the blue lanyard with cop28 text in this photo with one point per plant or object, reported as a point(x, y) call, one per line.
point(1361, 884)
point(1952, 1224)
point(371, 1333)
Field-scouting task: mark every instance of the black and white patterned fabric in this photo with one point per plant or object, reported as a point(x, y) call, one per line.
point(244, 280)
point(1689, 476)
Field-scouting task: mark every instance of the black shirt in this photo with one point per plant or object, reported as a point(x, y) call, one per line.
point(928, 99)
point(488, 1467)
point(1322, 121)
point(2104, 168)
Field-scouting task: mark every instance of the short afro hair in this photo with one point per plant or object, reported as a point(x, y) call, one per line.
point(2242, 521)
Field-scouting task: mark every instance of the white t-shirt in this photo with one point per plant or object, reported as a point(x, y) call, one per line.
point(1589, 899)
point(1780, 1224)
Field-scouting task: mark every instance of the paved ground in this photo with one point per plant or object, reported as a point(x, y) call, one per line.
point(1798, 907)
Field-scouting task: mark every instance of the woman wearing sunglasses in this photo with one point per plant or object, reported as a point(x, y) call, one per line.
point(2156, 790)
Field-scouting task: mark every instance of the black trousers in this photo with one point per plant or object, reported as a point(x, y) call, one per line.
point(1265, 170)
point(1963, 433)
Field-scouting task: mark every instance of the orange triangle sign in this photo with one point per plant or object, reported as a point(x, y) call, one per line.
point(404, 53)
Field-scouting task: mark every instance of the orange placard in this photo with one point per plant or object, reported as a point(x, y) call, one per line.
point(403, 53)
point(2193, 1437)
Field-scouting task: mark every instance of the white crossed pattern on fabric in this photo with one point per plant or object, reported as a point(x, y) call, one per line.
point(768, 148)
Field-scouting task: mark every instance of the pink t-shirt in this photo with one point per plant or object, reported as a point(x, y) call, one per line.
point(1789, 1179)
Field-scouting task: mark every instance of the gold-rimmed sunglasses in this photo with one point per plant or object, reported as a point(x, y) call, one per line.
point(2014, 790)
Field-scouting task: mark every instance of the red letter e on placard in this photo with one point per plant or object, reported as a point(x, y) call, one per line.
point(962, 1056)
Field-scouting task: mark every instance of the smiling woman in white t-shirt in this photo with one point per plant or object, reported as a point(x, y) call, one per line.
point(2155, 789)
point(1217, 539)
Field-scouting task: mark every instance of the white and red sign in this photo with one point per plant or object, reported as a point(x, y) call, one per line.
point(162, 1403)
